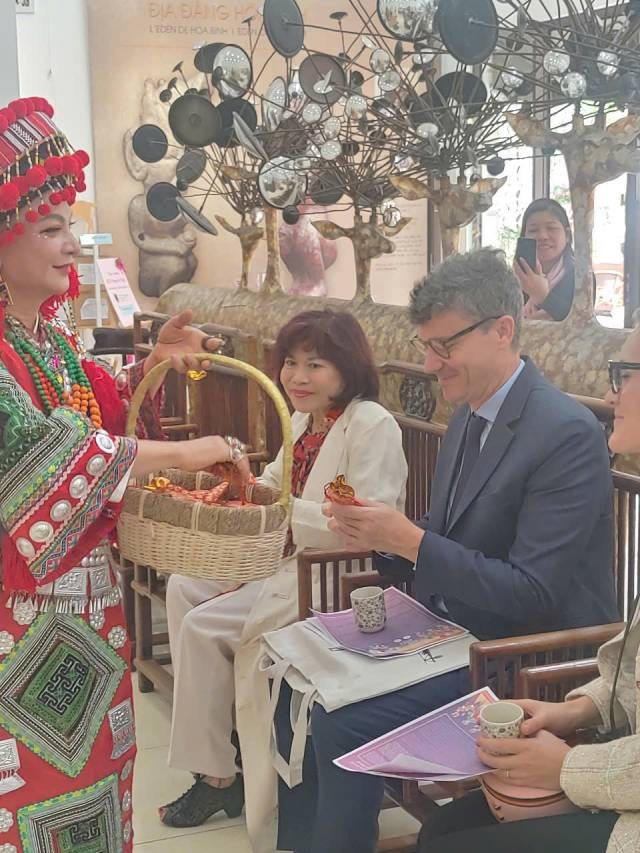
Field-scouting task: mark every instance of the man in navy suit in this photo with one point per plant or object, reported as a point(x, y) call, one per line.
point(518, 538)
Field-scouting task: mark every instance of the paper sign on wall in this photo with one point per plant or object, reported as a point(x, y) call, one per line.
point(116, 283)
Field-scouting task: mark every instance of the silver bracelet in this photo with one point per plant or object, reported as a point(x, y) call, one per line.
point(237, 450)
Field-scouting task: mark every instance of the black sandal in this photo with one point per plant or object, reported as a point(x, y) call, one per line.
point(202, 801)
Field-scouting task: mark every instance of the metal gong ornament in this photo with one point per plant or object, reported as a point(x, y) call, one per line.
point(232, 71)
point(279, 183)
point(408, 20)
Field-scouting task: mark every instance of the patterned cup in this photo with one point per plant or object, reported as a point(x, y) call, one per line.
point(369, 610)
point(501, 719)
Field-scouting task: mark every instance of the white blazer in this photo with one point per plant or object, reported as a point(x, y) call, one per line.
point(364, 444)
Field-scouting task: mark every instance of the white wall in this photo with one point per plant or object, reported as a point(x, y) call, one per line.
point(9, 87)
point(53, 60)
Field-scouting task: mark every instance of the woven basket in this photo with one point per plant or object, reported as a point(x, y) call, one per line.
point(181, 536)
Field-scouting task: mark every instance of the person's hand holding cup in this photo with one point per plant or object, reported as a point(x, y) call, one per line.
point(369, 611)
point(501, 720)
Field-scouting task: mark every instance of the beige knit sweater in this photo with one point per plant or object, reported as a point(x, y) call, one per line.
point(607, 775)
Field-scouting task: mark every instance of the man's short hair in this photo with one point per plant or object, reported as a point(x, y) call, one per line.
point(478, 284)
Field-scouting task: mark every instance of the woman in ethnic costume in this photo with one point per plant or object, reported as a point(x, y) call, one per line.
point(67, 739)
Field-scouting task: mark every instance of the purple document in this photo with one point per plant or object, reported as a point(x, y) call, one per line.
point(410, 628)
point(440, 746)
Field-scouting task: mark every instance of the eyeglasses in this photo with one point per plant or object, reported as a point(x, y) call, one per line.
point(618, 371)
point(442, 346)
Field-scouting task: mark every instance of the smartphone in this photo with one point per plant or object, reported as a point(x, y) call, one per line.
point(527, 249)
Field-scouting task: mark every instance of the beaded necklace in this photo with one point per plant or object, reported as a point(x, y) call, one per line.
point(49, 376)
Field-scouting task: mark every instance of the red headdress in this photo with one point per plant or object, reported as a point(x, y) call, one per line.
point(35, 159)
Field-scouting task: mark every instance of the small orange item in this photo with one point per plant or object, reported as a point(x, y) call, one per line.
point(340, 492)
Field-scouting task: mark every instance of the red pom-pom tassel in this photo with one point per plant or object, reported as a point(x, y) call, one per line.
point(82, 158)
point(44, 210)
point(37, 176)
point(54, 166)
point(19, 107)
point(9, 197)
point(31, 216)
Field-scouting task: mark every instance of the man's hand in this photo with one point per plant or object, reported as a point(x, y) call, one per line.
point(179, 341)
point(534, 762)
point(374, 526)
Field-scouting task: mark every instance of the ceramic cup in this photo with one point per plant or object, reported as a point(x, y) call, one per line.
point(501, 720)
point(369, 610)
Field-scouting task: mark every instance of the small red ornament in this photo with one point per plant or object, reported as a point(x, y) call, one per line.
point(19, 107)
point(31, 216)
point(81, 186)
point(82, 157)
point(53, 165)
point(4, 124)
point(44, 210)
point(55, 198)
point(37, 176)
point(9, 197)
point(9, 114)
point(22, 183)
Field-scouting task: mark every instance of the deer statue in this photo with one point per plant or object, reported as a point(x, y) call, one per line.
point(249, 236)
point(370, 240)
point(594, 154)
point(456, 204)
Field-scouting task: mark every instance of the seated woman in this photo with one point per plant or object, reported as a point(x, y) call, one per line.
point(603, 779)
point(326, 369)
point(548, 289)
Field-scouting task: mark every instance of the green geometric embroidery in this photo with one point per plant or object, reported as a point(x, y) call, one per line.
point(60, 691)
point(56, 687)
point(85, 821)
point(85, 836)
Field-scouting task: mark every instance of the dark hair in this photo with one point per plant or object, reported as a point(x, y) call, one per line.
point(548, 205)
point(336, 336)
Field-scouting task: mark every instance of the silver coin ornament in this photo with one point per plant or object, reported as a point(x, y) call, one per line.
point(574, 84)
point(555, 62)
point(389, 81)
point(24, 613)
point(312, 113)
point(607, 63)
point(7, 642)
point(407, 19)
point(331, 150)
point(356, 107)
point(97, 620)
point(379, 61)
point(331, 128)
point(117, 637)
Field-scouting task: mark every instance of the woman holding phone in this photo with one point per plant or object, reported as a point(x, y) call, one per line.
point(546, 275)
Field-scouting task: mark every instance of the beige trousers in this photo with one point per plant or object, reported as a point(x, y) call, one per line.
point(206, 620)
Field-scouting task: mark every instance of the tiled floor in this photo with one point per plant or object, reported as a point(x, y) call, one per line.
point(155, 784)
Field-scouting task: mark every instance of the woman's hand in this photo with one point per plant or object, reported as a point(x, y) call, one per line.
point(560, 718)
point(534, 283)
point(194, 455)
point(534, 762)
point(179, 341)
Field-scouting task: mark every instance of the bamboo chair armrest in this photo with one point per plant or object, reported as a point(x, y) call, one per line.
point(532, 644)
point(532, 678)
point(311, 557)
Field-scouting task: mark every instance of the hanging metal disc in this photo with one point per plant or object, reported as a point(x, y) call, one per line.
point(191, 165)
point(468, 29)
point(314, 71)
point(161, 201)
point(194, 121)
point(284, 26)
point(193, 215)
point(150, 143)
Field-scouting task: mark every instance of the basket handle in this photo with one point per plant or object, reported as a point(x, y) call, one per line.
point(160, 370)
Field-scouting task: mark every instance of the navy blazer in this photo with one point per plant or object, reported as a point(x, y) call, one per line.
point(530, 545)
